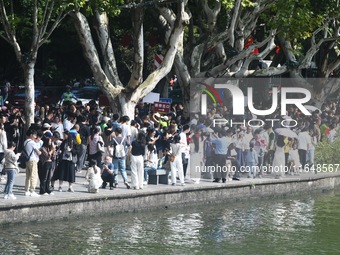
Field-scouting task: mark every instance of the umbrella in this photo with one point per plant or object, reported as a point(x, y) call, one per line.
point(312, 108)
point(286, 132)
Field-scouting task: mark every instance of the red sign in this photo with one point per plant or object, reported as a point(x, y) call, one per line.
point(161, 107)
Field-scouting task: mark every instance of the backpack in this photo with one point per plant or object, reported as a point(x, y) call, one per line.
point(119, 149)
point(24, 157)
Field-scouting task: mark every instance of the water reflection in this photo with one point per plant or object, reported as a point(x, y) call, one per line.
point(296, 226)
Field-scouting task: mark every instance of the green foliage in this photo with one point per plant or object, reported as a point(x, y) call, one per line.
point(328, 153)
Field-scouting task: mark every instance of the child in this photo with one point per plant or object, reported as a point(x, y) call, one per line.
point(251, 160)
point(93, 177)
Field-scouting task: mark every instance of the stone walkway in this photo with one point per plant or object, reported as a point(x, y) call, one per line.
point(80, 188)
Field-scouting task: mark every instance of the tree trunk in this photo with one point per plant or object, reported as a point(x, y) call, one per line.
point(29, 90)
point(127, 106)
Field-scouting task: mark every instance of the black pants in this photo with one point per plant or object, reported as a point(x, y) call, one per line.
point(97, 157)
point(108, 178)
point(44, 172)
point(303, 157)
point(185, 164)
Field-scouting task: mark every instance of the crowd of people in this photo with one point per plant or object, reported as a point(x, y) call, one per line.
point(255, 147)
point(64, 140)
point(71, 138)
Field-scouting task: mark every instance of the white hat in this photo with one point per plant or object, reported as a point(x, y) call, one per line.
point(157, 115)
point(165, 117)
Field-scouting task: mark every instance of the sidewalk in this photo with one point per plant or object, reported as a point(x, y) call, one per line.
point(80, 187)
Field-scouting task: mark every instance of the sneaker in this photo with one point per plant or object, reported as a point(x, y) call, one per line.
point(135, 188)
point(127, 185)
point(116, 185)
point(27, 193)
point(145, 183)
point(34, 194)
point(70, 190)
point(104, 185)
point(51, 194)
point(45, 194)
point(11, 196)
point(6, 196)
point(60, 189)
point(140, 187)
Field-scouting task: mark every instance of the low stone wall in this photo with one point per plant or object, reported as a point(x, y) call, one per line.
point(27, 211)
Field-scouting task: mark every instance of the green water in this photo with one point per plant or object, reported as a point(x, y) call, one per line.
point(299, 225)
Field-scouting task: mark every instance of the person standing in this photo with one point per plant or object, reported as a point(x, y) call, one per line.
point(222, 144)
point(3, 142)
point(279, 162)
point(184, 147)
point(84, 132)
point(304, 141)
point(119, 142)
point(67, 96)
point(66, 171)
point(93, 141)
point(11, 168)
point(33, 152)
point(45, 166)
point(176, 165)
point(137, 162)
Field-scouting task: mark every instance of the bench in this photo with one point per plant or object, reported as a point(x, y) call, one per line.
point(159, 176)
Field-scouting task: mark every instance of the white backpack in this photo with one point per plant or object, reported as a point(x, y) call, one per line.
point(120, 149)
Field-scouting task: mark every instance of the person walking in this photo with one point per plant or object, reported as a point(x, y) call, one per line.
point(11, 168)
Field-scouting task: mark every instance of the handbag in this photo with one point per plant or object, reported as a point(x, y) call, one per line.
point(100, 147)
point(172, 157)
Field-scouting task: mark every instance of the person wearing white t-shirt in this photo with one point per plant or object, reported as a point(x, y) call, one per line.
point(126, 129)
point(184, 147)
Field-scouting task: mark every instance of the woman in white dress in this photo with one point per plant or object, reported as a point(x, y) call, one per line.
point(279, 161)
point(93, 177)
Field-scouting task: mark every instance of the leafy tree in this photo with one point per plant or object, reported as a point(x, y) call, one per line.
point(304, 33)
point(27, 25)
point(102, 58)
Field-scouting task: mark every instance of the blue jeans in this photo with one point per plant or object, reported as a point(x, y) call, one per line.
point(10, 181)
point(119, 165)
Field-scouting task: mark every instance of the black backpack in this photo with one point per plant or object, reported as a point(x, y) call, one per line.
point(24, 157)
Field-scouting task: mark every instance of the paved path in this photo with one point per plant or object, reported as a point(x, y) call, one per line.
point(80, 188)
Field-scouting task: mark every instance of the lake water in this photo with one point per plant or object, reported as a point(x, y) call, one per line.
point(307, 224)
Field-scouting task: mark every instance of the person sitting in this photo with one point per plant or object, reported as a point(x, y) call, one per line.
point(151, 161)
point(93, 177)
